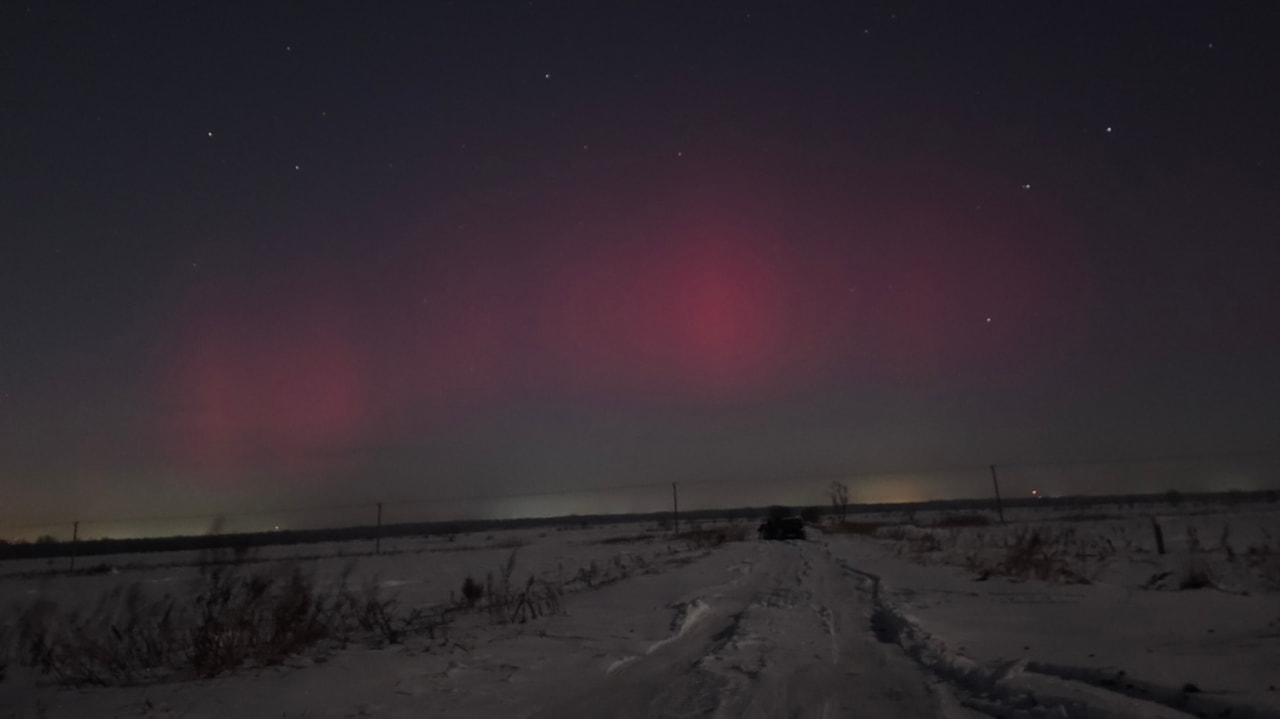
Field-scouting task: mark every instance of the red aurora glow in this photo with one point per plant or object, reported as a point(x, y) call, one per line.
point(704, 307)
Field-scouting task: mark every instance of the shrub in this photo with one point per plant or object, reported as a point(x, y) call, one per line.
point(1033, 555)
point(536, 599)
point(472, 591)
point(505, 603)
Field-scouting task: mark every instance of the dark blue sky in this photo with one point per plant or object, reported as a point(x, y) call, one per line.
point(295, 253)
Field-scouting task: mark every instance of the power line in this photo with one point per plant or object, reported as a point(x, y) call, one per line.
point(833, 475)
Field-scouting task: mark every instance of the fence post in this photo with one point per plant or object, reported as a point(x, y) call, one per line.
point(377, 535)
point(75, 536)
point(995, 482)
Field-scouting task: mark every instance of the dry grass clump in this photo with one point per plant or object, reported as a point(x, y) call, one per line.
point(519, 605)
point(912, 540)
point(236, 618)
point(1045, 556)
point(598, 574)
point(1263, 559)
point(1216, 563)
point(1232, 552)
point(1056, 554)
point(506, 602)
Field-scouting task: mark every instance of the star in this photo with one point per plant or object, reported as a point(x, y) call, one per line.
point(1027, 186)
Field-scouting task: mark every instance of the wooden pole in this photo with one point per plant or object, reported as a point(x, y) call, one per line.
point(75, 536)
point(377, 537)
point(995, 482)
point(675, 507)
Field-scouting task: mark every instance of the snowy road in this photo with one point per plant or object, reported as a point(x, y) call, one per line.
point(786, 634)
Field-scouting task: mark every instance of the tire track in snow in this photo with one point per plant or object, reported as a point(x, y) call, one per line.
point(788, 637)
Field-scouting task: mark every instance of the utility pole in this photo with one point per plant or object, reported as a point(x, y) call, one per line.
point(995, 482)
point(377, 536)
point(675, 507)
point(75, 536)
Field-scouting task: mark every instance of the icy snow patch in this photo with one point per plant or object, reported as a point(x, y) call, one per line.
point(621, 663)
point(688, 616)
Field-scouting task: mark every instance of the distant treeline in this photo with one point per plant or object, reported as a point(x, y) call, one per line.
point(48, 547)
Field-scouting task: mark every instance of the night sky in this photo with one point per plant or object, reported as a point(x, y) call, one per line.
point(289, 254)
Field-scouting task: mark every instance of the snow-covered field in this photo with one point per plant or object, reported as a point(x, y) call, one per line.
point(1051, 614)
point(1084, 608)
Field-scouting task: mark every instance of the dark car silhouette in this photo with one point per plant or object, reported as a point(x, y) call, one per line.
point(783, 528)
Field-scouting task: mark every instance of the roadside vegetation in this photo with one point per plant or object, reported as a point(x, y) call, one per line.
point(242, 611)
point(235, 615)
point(1182, 549)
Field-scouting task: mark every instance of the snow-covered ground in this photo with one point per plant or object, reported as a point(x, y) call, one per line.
point(419, 571)
point(1008, 612)
point(894, 625)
